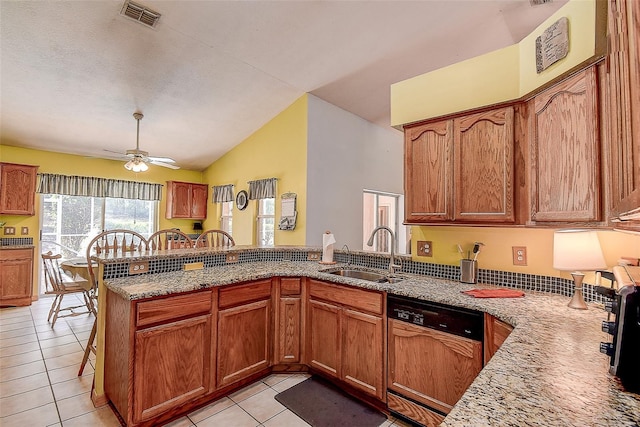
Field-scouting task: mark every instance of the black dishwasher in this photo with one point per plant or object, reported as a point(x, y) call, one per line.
point(434, 353)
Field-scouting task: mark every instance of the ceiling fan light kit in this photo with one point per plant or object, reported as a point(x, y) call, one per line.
point(138, 160)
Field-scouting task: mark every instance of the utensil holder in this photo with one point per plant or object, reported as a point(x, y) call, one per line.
point(468, 271)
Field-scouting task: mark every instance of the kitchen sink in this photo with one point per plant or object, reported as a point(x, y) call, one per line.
point(364, 275)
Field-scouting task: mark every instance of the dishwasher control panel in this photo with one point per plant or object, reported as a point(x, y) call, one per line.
point(454, 320)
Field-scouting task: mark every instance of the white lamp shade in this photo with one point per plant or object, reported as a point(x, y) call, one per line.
point(576, 250)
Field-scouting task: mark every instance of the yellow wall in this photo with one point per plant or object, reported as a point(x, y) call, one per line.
point(497, 254)
point(67, 164)
point(277, 150)
point(502, 75)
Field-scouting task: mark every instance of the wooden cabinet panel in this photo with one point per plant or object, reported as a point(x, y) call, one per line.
point(428, 172)
point(289, 330)
point(325, 343)
point(231, 296)
point(164, 309)
point(621, 105)
point(363, 352)
point(171, 365)
point(186, 200)
point(16, 277)
point(361, 299)
point(243, 341)
point(436, 387)
point(565, 152)
point(17, 189)
point(416, 412)
point(484, 150)
point(495, 332)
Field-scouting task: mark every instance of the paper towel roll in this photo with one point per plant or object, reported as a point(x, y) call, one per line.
point(327, 247)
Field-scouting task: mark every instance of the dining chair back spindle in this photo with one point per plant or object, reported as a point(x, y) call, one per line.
point(169, 239)
point(214, 239)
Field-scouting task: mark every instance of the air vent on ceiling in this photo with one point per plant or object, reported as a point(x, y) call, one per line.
point(140, 13)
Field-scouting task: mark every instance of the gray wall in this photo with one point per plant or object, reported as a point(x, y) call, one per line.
point(345, 155)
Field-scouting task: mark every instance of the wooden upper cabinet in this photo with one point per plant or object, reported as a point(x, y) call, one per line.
point(621, 115)
point(484, 149)
point(428, 172)
point(186, 200)
point(17, 189)
point(565, 152)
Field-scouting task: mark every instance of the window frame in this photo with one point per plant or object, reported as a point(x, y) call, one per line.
point(261, 220)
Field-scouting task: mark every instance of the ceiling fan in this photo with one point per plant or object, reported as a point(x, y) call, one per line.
point(138, 160)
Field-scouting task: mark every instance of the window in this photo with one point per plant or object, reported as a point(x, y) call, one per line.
point(381, 208)
point(70, 222)
point(266, 221)
point(226, 218)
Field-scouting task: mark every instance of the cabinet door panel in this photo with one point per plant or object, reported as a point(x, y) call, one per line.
point(428, 172)
point(199, 195)
point(484, 145)
point(17, 189)
point(16, 271)
point(565, 184)
point(171, 365)
point(243, 341)
point(178, 200)
point(455, 362)
point(324, 335)
point(363, 352)
point(289, 330)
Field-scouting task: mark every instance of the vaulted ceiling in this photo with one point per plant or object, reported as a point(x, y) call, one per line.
point(211, 73)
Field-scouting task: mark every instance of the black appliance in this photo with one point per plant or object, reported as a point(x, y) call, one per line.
point(624, 348)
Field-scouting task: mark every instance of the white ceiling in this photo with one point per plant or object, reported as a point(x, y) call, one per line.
point(213, 72)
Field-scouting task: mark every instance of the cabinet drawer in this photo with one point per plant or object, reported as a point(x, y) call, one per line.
point(413, 411)
point(290, 286)
point(162, 310)
point(361, 299)
point(231, 296)
point(15, 254)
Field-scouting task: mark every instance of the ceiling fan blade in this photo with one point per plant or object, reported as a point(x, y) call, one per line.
point(161, 159)
point(163, 164)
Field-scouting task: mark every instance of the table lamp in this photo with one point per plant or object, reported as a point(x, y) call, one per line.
point(575, 250)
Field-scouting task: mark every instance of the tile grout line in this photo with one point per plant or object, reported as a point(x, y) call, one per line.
point(46, 369)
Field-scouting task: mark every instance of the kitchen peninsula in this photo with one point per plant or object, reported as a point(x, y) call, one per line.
point(548, 371)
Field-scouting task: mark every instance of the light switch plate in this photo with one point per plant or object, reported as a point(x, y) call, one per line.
point(9, 231)
point(519, 255)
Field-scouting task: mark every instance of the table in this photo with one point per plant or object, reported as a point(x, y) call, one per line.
point(78, 267)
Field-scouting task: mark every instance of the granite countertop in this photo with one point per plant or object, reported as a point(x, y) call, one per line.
point(549, 371)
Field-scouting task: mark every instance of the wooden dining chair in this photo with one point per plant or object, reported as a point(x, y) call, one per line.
point(169, 239)
point(214, 239)
point(60, 284)
point(111, 242)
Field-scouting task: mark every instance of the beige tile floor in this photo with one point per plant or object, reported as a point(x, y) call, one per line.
point(39, 386)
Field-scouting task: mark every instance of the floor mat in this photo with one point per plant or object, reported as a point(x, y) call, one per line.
point(322, 404)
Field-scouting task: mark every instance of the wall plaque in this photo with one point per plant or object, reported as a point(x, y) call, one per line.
point(552, 45)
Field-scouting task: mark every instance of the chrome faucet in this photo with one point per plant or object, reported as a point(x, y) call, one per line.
point(392, 261)
point(348, 254)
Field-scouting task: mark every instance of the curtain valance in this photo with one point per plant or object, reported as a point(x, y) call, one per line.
point(223, 193)
point(262, 189)
point(97, 187)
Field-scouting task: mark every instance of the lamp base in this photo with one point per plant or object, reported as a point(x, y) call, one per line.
point(577, 301)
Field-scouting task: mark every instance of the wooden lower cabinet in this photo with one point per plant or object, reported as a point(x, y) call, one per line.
point(495, 332)
point(455, 363)
point(244, 331)
point(16, 277)
point(171, 365)
point(288, 325)
point(345, 342)
point(158, 353)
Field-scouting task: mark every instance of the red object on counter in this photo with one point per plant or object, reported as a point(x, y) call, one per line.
point(494, 293)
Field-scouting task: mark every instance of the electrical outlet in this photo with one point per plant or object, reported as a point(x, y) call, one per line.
point(314, 256)
point(232, 257)
point(425, 248)
point(24, 231)
point(519, 255)
point(139, 267)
